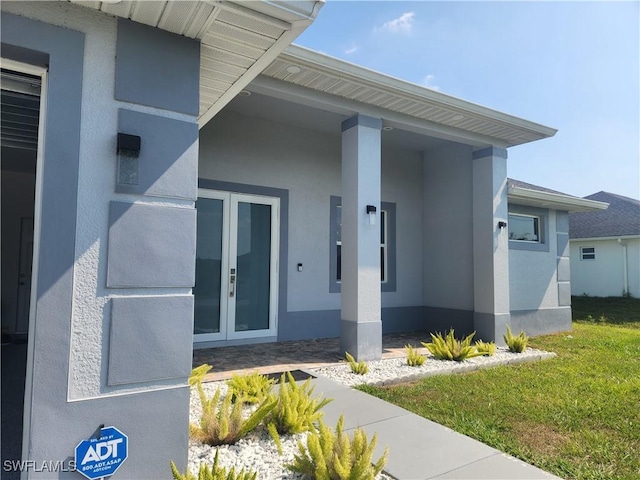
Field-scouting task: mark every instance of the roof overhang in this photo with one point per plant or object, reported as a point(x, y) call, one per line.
point(617, 238)
point(238, 38)
point(322, 73)
point(556, 201)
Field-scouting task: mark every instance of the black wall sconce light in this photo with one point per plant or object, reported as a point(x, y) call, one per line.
point(371, 211)
point(128, 151)
point(502, 224)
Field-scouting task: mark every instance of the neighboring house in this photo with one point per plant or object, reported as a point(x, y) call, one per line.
point(605, 248)
point(187, 160)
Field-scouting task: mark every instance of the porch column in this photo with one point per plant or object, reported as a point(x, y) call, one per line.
point(490, 244)
point(361, 325)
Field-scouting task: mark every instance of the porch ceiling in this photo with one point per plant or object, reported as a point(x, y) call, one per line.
point(291, 113)
point(238, 39)
point(332, 76)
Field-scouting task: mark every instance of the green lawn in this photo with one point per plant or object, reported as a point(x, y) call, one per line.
point(577, 416)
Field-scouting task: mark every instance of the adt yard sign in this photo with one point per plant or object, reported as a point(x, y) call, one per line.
point(101, 457)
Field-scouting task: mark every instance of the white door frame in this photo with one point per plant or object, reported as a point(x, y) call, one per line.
point(37, 217)
point(228, 262)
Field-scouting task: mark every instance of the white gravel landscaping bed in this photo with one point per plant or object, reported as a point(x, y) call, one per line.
point(255, 452)
point(258, 452)
point(396, 370)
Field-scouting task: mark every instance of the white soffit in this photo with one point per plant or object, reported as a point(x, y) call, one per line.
point(536, 198)
point(336, 77)
point(238, 38)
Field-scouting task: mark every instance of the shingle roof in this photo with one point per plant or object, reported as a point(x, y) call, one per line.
point(531, 186)
point(620, 219)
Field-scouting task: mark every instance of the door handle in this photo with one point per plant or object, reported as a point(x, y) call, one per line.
point(232, 282)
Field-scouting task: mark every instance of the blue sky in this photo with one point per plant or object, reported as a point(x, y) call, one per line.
point(573, 66)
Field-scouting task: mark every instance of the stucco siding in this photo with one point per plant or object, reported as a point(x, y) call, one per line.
point(246, 150)
point(533, 274)
point(448, 228)
point(603, 276)
point(71, 332)
point(401, 175)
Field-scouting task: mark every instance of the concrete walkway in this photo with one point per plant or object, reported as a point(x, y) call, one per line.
point(419, 448)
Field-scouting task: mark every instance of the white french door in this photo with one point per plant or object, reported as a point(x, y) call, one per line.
point(236, 266)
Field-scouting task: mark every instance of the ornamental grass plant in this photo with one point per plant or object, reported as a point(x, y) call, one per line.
point(414, 358)
point(450, 348)
point(333, 455)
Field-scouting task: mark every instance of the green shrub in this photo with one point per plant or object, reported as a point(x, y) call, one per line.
point(359, 368)
point(486, 348)
point(335, 456)
point(222, 423)
point(198, 373)
point(253, 388)
point(295, 411)
point(215, 472)
point(414, 359)
point(450, 348)
point(517, 343)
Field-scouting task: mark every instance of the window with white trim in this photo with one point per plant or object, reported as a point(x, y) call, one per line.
point(587, 253)
point(524, 228)
point(387, 221)
point(383, 244)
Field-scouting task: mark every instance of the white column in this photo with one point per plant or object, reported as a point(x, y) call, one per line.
point(361, 325)
point(490, 244)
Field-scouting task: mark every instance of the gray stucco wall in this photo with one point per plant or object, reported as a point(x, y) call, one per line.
point(448, 228)
point(539, 274)
point(250, 151)
point(71, 336)
point(541, 322)
point(532, 273)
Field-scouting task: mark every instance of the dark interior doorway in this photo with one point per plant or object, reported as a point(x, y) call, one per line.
point(20, 113)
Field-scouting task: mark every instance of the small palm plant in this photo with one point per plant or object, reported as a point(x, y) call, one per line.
point(450, 348)
point(414, 359)
point(359, 368)
point(516, 343)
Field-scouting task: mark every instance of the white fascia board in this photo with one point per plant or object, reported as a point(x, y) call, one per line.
point(325, 101)
point(556, 201)
point(395, 85)
point(600, 239)
point(291, 11)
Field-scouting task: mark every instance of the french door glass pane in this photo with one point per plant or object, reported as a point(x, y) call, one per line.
point(208, 266)
point(253, 267)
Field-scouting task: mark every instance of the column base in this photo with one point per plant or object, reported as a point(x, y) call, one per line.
point(490, 327)
point(363, 340)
